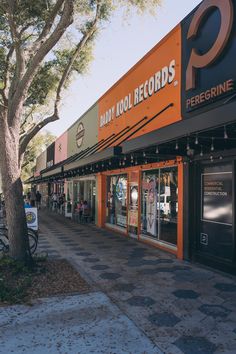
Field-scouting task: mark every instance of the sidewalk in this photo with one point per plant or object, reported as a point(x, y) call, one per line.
point(180, 307)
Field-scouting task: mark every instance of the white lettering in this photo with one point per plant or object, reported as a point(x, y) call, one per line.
point(151, 86)
point(164, 76)
point(171, 71)
point(157, 81)
point(141, 93)
point(145, 90)
point(136, 95)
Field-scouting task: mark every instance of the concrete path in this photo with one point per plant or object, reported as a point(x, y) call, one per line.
point(180, 307)
point(80, 324)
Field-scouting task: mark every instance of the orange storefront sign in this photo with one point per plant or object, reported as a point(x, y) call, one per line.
point(150, 86)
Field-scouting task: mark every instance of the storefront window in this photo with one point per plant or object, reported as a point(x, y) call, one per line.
point(160, 204)
point(69, 196)
point(85, 190)
point(117, 200)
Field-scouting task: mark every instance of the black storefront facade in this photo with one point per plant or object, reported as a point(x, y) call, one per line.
point(206, 135)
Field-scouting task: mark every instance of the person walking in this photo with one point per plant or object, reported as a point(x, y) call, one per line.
point(38, 199)
point(33, 197)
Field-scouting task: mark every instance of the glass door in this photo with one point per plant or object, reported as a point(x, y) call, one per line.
point(133, 209)
point(69, 199)
point(215, 235)
point(168, 205)
point(116, 211)
point(159, 204)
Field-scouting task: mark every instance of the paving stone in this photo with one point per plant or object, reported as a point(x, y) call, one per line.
point(91, 260)
point(195, 345)
point(164, 319)
point(186, 294)
point(149, 271)
point(214, 310)
point(124, 287)
point(100, 267)
point(142, 301)
point(83, 254)
point(104, 247)
point(110, 276)
point(225, 287)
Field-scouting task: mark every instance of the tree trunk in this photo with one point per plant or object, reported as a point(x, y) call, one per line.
point(13, 195)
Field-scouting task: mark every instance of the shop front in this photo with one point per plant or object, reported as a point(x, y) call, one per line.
point(160, 164)
point(214, 198)
point(143, 202)
point(80, 190)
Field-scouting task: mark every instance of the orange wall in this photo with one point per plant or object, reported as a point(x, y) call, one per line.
point(160, 56)
point(101, 178)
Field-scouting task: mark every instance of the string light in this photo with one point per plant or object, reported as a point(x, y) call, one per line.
point(196, 140)
point(211, 158)
point(125, 158)
point(144, 154)
point(225, 133)
point(157, 150)
point(201, 153)
point(212, 144)
point(136, 162)
point(176, 145)
point(188, 146)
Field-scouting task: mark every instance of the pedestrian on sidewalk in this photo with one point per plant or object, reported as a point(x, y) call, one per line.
point(38, 199)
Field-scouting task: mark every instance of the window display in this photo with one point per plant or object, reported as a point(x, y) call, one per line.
point(117, 200)
point(160, 204)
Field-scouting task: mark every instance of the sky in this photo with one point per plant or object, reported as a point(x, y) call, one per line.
point(118, 47)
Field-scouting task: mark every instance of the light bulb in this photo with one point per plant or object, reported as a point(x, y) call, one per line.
point(225, 133)
point(212, 144)
point(201, 153)
point(188, 146)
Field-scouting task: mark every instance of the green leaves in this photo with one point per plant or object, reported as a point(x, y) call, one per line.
point(43, 84)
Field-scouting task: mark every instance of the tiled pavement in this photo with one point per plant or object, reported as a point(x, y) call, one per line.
point(181, 307)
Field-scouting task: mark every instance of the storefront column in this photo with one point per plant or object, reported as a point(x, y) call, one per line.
point(180, 211)
point(101, 199)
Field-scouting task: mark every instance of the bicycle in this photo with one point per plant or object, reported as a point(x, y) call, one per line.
point(4, 241)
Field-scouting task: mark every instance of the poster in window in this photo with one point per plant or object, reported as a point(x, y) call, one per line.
point(217, 197)
point(151, 209)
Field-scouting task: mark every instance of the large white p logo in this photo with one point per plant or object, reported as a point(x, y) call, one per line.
point(196, 60)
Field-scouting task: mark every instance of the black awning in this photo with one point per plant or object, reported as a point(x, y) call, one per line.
point(94, 158)
point(223, 115)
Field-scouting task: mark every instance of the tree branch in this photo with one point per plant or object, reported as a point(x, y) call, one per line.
point(28, 136)
point(48, 26)
point(20, 61)
point(6, 79)
point(25, 139)
point(79, 47)
point(19, 96)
